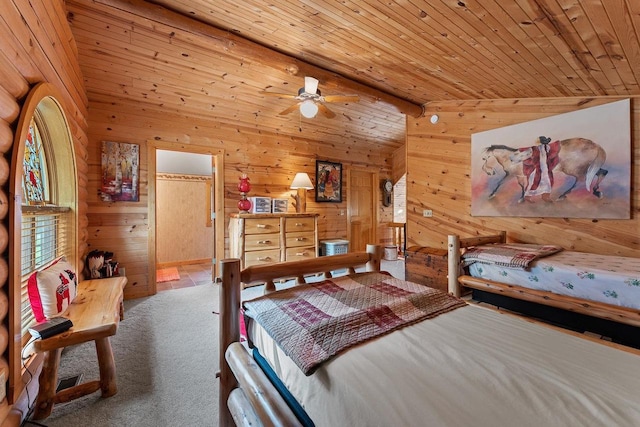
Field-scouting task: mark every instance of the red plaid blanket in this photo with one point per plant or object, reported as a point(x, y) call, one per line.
point(313, 322)
point(513, 255)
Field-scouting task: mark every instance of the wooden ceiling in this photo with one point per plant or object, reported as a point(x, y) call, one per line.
point(211, 58)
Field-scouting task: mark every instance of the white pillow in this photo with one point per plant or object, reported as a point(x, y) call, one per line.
point(52, 289)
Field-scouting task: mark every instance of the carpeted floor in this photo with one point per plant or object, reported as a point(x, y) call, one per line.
point(166, 353)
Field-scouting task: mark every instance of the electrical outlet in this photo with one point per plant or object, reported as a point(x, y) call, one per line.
point(427, 213)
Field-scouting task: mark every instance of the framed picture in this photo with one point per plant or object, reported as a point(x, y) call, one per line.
point(570, 165)
point(120, 172)
point(328, 181)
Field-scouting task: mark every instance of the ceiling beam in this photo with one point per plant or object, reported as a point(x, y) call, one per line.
point(244, 48)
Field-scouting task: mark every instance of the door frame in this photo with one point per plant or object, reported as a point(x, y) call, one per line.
point(217, 174)
point(375, 196)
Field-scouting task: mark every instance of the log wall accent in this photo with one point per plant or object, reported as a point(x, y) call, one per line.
point(439, 171)
point(36, 45)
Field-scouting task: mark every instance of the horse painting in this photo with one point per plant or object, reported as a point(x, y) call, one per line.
point(579, 158)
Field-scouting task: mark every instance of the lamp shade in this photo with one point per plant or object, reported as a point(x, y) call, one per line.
point(301, 180)
point(308, 109)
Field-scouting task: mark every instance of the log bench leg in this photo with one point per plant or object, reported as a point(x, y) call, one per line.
point(48, 382)
point(107, 366)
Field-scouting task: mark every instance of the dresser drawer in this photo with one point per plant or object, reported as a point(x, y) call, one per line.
point(271, 238)
point(261, 257)
point(258, 242)
point(302, 238)
point(299, 224)
point(296, 254)
point(261, 225)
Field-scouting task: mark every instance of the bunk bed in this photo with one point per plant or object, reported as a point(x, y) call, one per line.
point(576, 289)
point(467, 366)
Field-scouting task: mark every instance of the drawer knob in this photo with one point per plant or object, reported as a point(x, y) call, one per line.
point(264, 258)
point(301, 254)
point(261, 226)
point(300, 239)
point(264, 242)
point(299, 224)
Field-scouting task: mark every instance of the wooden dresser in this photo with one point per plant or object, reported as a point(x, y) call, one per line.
point(268, 238)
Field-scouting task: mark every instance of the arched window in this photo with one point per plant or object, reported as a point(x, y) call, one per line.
point(44, 222)
point(35, 176)
point(44, 213)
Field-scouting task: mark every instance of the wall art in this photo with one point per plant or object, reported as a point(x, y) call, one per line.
point(328, 181)
point(571, 165)
point(120, 172)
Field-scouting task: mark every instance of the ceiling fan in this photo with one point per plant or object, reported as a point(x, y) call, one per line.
point(310, 100)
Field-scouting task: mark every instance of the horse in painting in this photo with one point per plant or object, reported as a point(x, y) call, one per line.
point(579, 158)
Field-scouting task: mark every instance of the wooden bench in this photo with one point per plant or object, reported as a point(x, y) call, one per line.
point(95, 313)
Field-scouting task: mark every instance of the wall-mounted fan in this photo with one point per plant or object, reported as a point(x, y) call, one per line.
point(310, 100)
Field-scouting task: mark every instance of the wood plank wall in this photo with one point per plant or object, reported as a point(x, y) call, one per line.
point(184, 229)
point(439, 170)
point(269, 160)
point(120, 111)
point(36, 45)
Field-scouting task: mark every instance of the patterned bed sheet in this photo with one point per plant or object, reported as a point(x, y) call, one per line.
point(604, 278)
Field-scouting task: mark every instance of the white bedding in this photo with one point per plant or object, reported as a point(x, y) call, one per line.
point(469, 367)
point(604, 278)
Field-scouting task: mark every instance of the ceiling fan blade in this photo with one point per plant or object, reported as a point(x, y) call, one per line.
point(311, 85)
point(290, 109)
point(279, 95)
point(341, 98)
point(324, 110)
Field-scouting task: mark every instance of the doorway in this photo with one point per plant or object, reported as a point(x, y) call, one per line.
point(362, 211)
point(215, 205)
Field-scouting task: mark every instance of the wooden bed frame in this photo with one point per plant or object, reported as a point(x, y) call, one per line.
point(457, 282)
point(247, 397)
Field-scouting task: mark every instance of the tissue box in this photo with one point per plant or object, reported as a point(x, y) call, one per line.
point(260, 204)
point(279, 205)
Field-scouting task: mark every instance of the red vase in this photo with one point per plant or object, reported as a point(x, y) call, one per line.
point(244, 205)
point(244, 185)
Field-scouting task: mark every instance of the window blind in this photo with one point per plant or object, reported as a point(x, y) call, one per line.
point(45, 237)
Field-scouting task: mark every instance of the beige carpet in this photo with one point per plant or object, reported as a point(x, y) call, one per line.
point(166, 354)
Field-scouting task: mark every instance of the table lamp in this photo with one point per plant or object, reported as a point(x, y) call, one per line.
point(302, 183)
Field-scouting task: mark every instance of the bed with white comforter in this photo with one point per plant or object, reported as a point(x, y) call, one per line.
point(471, 366)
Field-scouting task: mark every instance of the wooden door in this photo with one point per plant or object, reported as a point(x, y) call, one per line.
point(362, 209)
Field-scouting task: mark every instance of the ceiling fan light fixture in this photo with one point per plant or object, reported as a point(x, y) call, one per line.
point(308, 109)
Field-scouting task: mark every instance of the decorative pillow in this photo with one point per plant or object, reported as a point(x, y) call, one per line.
point(52, 289)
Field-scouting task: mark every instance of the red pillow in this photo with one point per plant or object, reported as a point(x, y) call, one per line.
point(52, 289)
